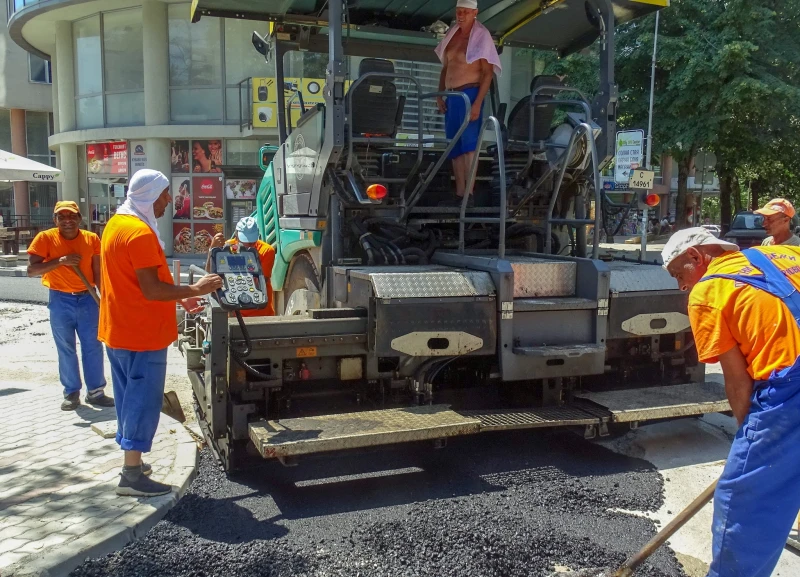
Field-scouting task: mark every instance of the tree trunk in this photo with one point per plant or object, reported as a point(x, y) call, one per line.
point(756, 188)
point(736, 192)
point(725, 186)
point(685, 162)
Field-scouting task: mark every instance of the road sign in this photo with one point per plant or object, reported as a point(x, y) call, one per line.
point(642, 179)
point(629, 153)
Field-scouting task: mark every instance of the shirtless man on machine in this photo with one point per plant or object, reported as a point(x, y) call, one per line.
point(469, 59)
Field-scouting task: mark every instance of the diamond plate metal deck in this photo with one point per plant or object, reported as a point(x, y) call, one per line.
point(634, 277)
point(538, 277)
point(650, 403)
point(303, 436)
point(535, 418)
point(432, 284)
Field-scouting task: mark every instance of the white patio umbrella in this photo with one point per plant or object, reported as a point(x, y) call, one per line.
point(15, 168)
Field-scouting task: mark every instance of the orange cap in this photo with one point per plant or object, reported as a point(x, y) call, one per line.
point(777, 206)
point(67, 205)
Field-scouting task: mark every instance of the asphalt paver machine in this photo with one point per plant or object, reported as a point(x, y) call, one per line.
point(407, 318)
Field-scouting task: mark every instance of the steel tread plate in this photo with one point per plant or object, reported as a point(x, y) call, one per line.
point(560, 350)
point(533, 418)
point(539, 277)
point(634, 277)
point(302, 436)
point(432, 284)
point(661, 402)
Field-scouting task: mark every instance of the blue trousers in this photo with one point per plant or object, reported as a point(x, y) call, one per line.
point(71, 315)
point(758, 495)
point(138, 379)
point(454, 116)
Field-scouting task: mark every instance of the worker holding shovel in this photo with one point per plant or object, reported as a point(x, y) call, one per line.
point(744, 308)
point(68, 260)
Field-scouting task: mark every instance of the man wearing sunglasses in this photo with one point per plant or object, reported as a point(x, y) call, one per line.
point(53, 255)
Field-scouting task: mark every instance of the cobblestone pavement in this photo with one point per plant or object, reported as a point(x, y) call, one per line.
point(57, 471)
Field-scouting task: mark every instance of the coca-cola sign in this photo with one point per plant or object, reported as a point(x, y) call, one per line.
point(207, 198)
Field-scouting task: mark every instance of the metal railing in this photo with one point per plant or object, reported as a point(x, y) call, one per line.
point(246, 109)
point(473, 170)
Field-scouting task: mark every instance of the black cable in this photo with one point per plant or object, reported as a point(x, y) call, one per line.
point(238, 356)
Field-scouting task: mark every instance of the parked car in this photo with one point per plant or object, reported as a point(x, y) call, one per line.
point(714, 229)
point(747, 229)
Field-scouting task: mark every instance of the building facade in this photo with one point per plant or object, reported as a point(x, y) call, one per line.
point(26, 123)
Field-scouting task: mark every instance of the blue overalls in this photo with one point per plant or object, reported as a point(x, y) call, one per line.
point(758, 495)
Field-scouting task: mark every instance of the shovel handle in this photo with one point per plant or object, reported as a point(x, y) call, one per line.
point(85, 281)
point(679, 521)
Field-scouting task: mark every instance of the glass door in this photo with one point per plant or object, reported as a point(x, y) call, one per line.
point(105, 196)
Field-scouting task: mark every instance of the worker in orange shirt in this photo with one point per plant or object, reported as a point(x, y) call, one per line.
point(73, 310)
point(744, 308)
point(138, 321)
point(247, 235)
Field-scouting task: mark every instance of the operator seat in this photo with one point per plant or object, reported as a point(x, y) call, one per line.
point(377, 110)
point(519, 119)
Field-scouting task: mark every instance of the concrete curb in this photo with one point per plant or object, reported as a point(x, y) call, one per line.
point(61, 560)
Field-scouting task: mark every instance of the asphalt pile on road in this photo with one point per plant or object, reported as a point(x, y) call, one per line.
point(504, 505)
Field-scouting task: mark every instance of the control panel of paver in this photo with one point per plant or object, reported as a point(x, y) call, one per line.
point(244, 284)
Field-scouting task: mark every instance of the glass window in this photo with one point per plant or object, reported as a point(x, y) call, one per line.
point(37, 128)
point(89, 112)
point(194, 49)
point(196, 106)
point(242, 152)
point(88, 75)
point(241, 59)
point(39, 69)
point(5, 130)
point(125, 109)
point(122, 45)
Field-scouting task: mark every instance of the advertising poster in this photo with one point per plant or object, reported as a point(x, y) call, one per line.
point(265, 98)
point(207, 198)
point(138, 155)
point(204, 234)
point(630, 149)
point(107, 158)
point(180, 156)
point(182, 233)
point(241, 189)
point(181, 198)
point(206, 156)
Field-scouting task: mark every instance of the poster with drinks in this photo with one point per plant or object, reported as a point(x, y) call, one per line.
point(240, 189)
point(207, 156)
point(204, 234)
point(107, 158)
point(207, 198)
point(181, 198)
point(180, 156)
point(182, 238)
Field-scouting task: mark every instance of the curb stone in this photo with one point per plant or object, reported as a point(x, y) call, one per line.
point(134, 524)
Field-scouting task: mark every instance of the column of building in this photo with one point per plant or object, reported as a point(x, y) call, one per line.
point(156, 97)
point(19, 146)
point(63, 63)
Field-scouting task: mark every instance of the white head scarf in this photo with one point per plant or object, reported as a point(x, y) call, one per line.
point(143, 190)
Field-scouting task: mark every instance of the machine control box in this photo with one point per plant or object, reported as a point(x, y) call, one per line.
point(244, 286)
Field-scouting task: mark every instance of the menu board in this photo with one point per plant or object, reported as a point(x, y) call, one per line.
point(107, 158)
point(241, 189)
point(181, 198)
point(207, 198)
point(239, 210)
point(182, 238)
point(204, 234)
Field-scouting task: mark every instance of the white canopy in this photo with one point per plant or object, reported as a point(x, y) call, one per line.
point(14, 168)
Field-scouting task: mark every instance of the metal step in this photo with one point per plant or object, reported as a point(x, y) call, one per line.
point(554, 304)
point(631, 405)
point(560, 350)
point(307, 435)
point(538, 417)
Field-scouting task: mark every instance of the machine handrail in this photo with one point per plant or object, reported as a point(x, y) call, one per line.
point(299, 96)
point(246, 121)
point(583, 129)
point(503, 215)
point(422, 186)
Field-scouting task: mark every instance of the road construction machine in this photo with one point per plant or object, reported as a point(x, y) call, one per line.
point(403, 317)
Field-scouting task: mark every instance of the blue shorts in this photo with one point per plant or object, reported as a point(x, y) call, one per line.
point(453, 118)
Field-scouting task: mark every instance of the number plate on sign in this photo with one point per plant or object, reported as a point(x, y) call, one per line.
point(303, 352)
point(642, 179)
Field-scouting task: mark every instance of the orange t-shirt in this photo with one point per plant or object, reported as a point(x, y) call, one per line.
point(725, 313)
point(50, 245)
point(266, 254)
point(127, 319)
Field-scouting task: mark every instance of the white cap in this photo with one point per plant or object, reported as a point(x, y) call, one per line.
point(683, 240)
point(471, 4)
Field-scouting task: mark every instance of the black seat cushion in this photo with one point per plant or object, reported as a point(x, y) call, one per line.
point(375, 100)
point(518, 120)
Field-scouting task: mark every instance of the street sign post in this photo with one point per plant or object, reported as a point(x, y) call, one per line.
point(643, 180)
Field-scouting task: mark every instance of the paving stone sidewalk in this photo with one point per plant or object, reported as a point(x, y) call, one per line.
point(57, 480)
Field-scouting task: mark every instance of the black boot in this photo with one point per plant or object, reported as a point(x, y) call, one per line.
point(134, 483)
point(71, 401)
